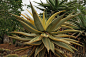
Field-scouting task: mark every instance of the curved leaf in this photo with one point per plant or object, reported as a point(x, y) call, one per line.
point(23, 33)
point(52, 17)
point(63, 45)
point(58, 39)
point(64, 35)
point(30, 12)
point(24, 20)
point(65, 31)
point(37, 38)
point(20, 39)
point(65, 19)
point(29, 28)
point(53, 24)
point(30, 20)
point(34, 43)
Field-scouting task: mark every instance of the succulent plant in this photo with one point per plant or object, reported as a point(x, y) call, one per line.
point(12, 55)
point(80, 23)
point(53, 6)
point(44, 35)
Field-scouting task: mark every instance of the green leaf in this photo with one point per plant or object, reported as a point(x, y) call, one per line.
point(65, 19)
point(37, 38)
point(52, 2)
point(60, 54)
point(39, 49)
point(52, 17)
point(73, 48)
point(34, 43)
point(39, 8)
point(53, 24)
point(58, 39)
point(42, 53)
point(63, 45)
point(76, 43)
point(57, 54)
point(44, 21)
point(23, 33)
point(64, 35)
point(32, 52)
point(65, 31)
point(29, 28)
point(48, 44)
point(66, 27)
point(56, 3)
point(20, 39)
point(24, 20)
point(37, 20)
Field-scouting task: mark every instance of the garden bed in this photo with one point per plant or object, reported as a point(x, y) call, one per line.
point(12, 48)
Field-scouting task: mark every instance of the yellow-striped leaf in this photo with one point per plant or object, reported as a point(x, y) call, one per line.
point(65, 31)
point(37, 38)
point(42, 53)
point(73, 48)
point(52, 17)
point(58, 39)
point(64, 35)
point(53, 24)
point(34, 43)
point(37, 20)
point(30, 20)
point(63, 46)
point(48, 44)
point(44, 21)
point(76, 43)
point(65, 19)
point(24, 20)
point(20, 39)
point(32, 52)
point(29, 28)
point(66, 27)
point(30, 12)
point(38, 49)
point(23, 33)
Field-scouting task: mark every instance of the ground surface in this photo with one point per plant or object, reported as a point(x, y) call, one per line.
point(12, 47)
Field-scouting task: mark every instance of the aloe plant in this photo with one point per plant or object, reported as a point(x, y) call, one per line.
point(80, 23)
point(53, 6)
point(44, 35)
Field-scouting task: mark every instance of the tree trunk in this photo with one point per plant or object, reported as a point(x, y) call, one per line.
point(6, 39)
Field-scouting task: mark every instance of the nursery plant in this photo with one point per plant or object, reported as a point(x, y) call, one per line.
point(44, 36)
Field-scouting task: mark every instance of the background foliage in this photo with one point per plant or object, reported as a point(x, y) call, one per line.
point(7, 21)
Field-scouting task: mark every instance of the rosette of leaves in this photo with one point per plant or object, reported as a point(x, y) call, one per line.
point(53, 6)
point(80, 23)
point(45, 36)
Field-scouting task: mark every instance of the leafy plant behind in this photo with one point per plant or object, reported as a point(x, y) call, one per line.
point(8, 22)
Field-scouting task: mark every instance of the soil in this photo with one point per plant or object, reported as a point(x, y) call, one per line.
point(13, 47)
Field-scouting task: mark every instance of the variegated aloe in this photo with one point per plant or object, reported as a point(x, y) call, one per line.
point(45, 36)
